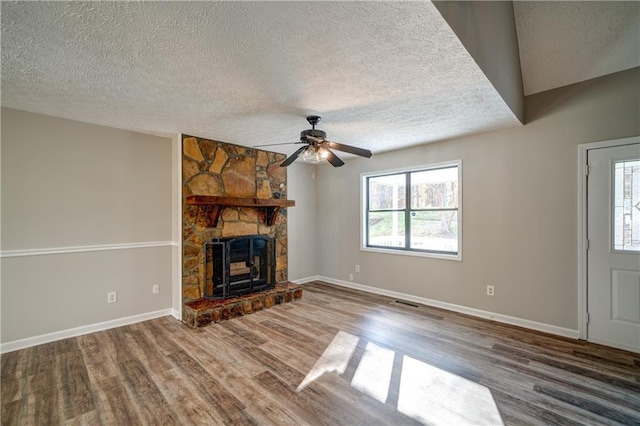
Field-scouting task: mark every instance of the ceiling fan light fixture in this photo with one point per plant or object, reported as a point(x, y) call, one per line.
point(314, 155)
point(318, 148)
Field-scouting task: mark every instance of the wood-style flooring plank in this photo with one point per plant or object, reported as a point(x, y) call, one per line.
point(151, 403)
point(185, 399)
point(100, 365)
point(76, 390)
point(212, 392)
point(114, 404)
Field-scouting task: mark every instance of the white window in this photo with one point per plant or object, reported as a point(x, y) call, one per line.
point(415, 211)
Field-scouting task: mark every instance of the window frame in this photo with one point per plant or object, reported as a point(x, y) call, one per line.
point(407, 250)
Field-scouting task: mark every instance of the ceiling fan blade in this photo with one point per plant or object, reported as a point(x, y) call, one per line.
point(333, 159)
point(292, 157)
point(275, 144)
point(350, 149)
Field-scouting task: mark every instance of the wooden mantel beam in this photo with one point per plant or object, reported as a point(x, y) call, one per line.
point(213, 206)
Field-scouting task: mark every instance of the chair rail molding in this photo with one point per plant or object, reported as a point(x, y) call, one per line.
point(83, 249)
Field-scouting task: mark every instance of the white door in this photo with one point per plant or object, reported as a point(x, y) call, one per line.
point(613, 257)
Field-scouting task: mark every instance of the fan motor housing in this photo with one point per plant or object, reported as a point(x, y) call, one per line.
point(312, 132)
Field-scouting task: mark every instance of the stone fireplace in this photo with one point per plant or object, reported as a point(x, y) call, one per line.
point(230, 191)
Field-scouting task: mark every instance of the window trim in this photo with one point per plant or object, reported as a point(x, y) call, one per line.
point(364, 201)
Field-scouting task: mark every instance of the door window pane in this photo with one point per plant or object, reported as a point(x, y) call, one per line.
point(432, 189)
point(386, 229)
point(387, 192)
point(435, 231)
point(626, 205)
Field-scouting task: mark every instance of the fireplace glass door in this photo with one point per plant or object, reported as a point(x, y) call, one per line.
point(239, 265)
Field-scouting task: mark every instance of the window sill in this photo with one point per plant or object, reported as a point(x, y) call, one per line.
point(455, 257)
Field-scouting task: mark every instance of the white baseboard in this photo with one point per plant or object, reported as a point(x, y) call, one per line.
point(176, 314)
point(79, 331)
point(506, 319)
point(307, 279)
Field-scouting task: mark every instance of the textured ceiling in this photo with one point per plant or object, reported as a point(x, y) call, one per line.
point(383, 75)
point(566, 42)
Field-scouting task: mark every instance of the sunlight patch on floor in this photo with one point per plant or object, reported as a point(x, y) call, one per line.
point(433, 396)
point(373, 374)
point(335, 358)
point(427, 394)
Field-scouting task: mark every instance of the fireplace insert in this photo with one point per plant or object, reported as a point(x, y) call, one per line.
point(238, 265)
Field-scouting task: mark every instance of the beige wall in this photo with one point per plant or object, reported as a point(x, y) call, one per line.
point(519, 207)
point(302, 221)
point(66, 183)
point(70, 184)
point(487, 29)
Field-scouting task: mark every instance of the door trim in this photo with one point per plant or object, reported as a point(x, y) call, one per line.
point(583, 150)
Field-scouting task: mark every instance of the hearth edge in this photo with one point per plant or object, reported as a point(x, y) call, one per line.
point(202, 312)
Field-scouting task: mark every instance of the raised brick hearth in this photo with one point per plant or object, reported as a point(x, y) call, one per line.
point(202, 312)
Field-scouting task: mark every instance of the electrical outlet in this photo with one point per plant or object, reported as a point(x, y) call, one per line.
point(112, 297)
point(350, 277)
point(490, 290)
point(357, 268)
point(155, 288)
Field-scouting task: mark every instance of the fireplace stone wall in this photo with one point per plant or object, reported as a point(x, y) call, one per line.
point(221, 169)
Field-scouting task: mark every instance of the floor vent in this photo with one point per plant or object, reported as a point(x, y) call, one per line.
point(404, 302)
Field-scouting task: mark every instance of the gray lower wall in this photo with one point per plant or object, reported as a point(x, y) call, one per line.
point(519, 207)
point(52, 293)
point(71, 184)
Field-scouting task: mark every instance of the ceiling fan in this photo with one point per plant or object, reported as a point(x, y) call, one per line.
point(317, 148)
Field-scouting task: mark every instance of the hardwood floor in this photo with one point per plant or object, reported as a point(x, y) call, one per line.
point(338, 356)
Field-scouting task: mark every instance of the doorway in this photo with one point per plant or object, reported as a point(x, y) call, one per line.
point(610, 243)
